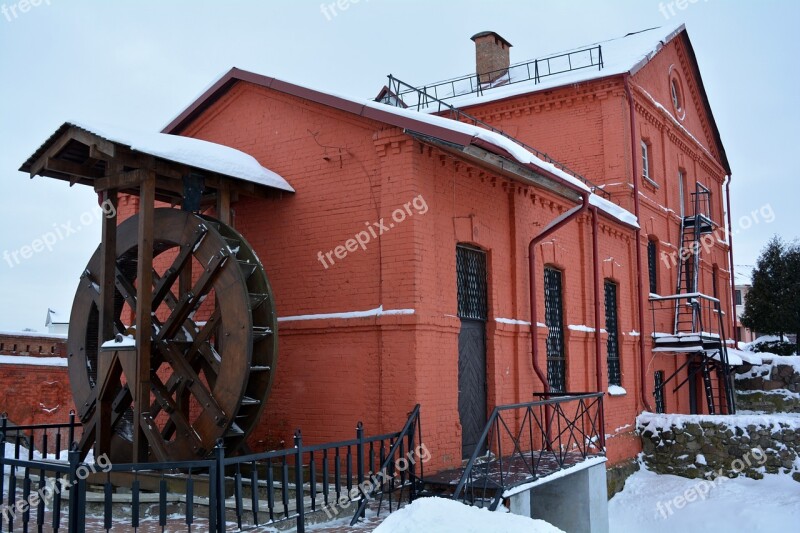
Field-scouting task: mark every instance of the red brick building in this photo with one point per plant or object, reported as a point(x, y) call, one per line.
point(401, 262)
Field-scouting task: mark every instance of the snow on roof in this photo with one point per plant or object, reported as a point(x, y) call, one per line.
point(32, 361)
point(620, 55)
point(386, 113)
point(196, 153)
point(42, 335)
point(54, 317)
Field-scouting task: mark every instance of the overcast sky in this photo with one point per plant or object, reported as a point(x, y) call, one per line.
point(138, 63)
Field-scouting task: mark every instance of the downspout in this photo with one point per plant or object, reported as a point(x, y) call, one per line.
point(730, 258)
point(598, 347)
point(546, 232)
point(639, 287)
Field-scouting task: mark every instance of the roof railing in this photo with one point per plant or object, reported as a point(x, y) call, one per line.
point(534, 70)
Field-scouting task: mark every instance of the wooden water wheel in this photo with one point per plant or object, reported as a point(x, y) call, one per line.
point(212, 345)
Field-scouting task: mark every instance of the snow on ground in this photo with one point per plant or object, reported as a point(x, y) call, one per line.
point(742, 504)
point(655, 422)
point(769, 361)
point(449, 516)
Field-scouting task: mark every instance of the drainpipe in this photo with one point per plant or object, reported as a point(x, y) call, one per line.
point(546, 232)
point(730, 258)
point(598, 347)
point(639, 287)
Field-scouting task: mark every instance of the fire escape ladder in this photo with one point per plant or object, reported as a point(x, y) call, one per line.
point(697, 319)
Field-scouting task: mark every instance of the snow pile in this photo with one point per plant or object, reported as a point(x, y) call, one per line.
point(449, 516)
point(648, 503)
point(771, 361)
point(655, 422)
point(193, 152)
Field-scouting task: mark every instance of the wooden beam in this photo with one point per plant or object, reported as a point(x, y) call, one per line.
point(123, 180)
point(224, 202)
point(144, 299)
point(70, 168)
point(107, 327)
point(53, 150)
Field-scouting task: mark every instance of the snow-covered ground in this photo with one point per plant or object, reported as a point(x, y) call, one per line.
point(449, 516)
point(648, 504)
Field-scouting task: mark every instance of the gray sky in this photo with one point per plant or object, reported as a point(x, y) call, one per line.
point(138, 63)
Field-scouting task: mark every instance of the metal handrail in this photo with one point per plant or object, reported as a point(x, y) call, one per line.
point(595, 400)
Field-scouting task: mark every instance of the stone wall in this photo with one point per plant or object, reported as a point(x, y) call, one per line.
point(777, 373)
point(696, 446)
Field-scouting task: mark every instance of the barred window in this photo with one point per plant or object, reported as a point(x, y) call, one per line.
point(652, 266)
point(554, 320)
point(658, 382)
point(612, 343)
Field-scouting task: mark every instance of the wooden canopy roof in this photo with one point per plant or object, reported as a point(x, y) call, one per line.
point(120, 160)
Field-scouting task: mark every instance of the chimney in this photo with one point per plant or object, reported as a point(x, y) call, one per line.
point(491, 56)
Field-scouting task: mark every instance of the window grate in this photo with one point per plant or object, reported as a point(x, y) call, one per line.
point(612, 342)
point(553, 314)
point(658, 379)
point(471, 279)
point(652, 266)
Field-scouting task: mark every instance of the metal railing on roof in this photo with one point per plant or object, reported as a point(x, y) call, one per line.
point(534, 70)
point(427, 102)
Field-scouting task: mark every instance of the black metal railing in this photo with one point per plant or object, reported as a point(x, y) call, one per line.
point(249, 491)
point(533, 70)
point(428, 102)
point(524, 442)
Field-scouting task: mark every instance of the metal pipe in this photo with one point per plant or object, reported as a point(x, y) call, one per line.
point(598, 347)
point(639, 287)
point(549, 230)
point(730, 258)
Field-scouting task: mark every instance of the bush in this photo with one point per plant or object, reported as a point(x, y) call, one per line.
point(775, 347)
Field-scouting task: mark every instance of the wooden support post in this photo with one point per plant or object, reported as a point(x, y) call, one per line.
point(107, 328)
point(144, 283)
point(224, 202)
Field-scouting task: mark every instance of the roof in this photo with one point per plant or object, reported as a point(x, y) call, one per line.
point(742, 275)
point(54, 317)
point(196, 153)
point(411, 121)
point(622, 55)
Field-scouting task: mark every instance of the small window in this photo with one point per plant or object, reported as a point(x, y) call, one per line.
point(677, 101)
point(612, 342)
point(646, 163)
point(652, 266)
point(658, 381)
point(738, 297)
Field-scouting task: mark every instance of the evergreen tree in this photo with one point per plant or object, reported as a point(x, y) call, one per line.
point(765, 309)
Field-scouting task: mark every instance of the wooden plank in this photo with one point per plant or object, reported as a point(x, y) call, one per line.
point(53, 150)
point(144, 299)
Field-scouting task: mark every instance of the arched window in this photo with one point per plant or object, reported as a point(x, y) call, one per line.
point(612, 327)
point(652, 265)
point(677, 97)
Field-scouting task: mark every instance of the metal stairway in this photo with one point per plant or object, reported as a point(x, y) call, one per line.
point(697, 319)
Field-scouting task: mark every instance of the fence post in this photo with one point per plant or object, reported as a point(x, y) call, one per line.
point(219, 490)
point(71, 429)
point(74, 500)
point(4, 419)
point(360, 459)
point(298, 482)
